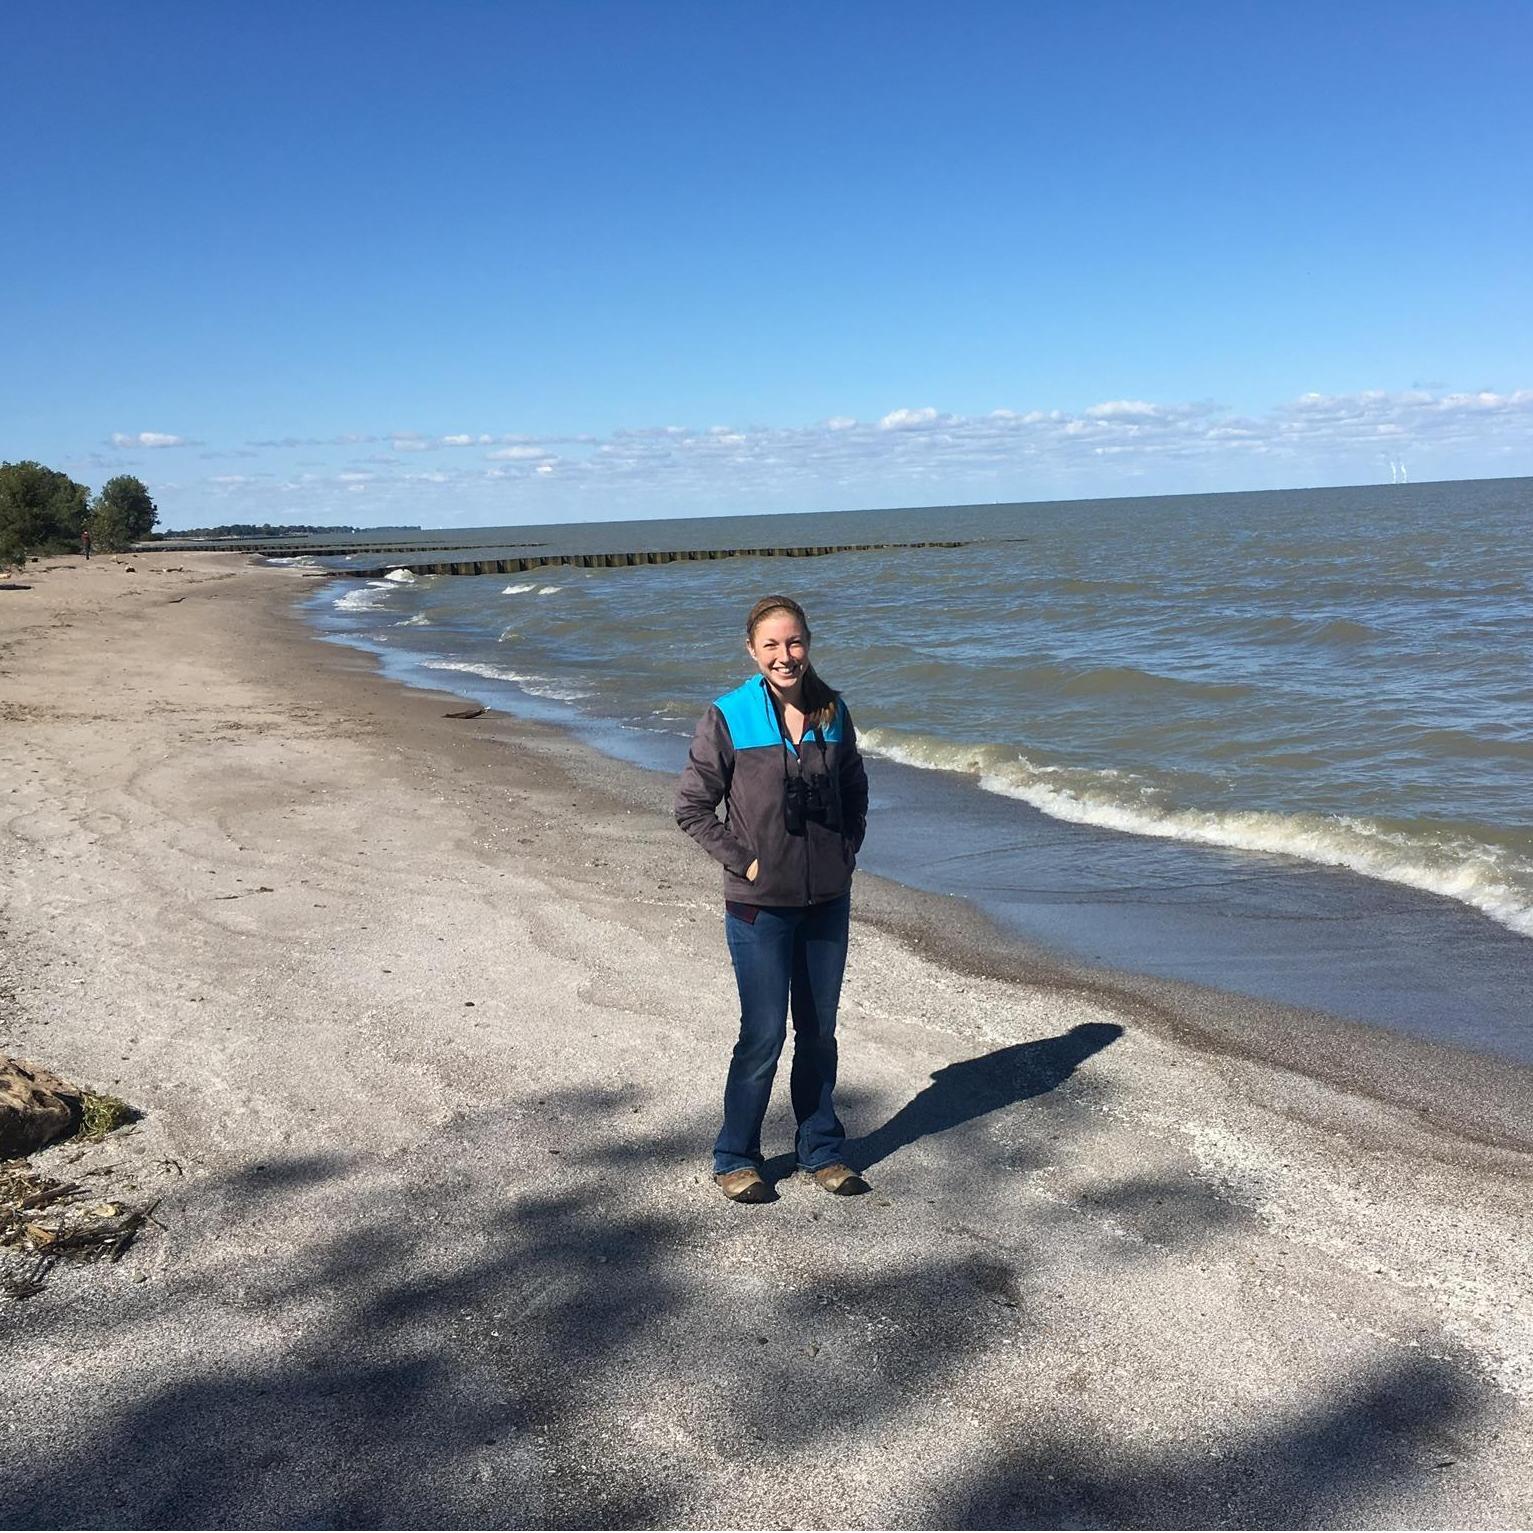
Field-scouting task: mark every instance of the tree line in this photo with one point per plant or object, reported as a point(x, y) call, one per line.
point(43, 511)
point(273, 530)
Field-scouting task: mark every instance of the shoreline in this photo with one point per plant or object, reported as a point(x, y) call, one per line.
point(1490, 1103)
point(1226, 1263)
point(1291, 930)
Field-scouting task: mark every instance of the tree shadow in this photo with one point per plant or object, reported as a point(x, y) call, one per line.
point(1164, 1211)
point(1324, 1464)
point(603, 1342)
point(973, 1088)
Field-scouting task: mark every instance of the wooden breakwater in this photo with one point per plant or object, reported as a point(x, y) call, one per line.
point(517, 564)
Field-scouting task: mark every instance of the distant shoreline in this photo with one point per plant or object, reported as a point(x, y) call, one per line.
point(1176, 495)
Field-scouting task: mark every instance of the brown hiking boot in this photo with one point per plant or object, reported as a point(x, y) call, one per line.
point(839, 1179)
point(743, 1185)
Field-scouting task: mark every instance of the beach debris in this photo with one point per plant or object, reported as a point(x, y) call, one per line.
point(101, 1113)
point(13, 585)
point(43, 1219)
point(36, 1107)
point(464, 713)
point(262, 889)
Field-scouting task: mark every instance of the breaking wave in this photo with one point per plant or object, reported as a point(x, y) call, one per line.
point(373, 594)
point(537, 686)
point(1438, 861)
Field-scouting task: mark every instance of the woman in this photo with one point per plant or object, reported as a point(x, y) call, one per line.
point(780, 753)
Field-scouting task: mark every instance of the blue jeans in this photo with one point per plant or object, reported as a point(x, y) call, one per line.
point(788, 955)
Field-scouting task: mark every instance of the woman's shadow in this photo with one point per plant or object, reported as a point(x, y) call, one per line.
point(974, 1087)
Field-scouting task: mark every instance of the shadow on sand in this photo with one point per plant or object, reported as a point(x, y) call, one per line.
point(440, 1348)
point(974, 1088)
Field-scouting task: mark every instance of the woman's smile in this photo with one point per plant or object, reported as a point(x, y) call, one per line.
point(780, 648)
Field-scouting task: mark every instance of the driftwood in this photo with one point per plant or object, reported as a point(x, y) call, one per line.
point(44, 1220)
point(36, 1106)
point(464, 713)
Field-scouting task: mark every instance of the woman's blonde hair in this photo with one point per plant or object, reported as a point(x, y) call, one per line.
point(819, 699)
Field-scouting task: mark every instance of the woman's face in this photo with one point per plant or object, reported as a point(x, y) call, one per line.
point(780, 648)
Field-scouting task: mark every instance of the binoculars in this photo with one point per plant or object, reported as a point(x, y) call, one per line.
point(810, 798)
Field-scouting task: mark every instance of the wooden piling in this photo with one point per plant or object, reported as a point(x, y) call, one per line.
point(519, 564)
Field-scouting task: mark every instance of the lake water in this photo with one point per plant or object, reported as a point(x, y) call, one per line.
point(1135, 722)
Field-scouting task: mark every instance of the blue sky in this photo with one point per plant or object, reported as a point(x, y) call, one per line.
point(489, 263)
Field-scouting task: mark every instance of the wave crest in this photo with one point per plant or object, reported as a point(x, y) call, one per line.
point(1489, 878)
point(373, 594)
point(538, 686)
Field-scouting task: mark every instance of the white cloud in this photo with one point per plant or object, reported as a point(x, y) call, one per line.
point(898, 420)
point(1123, 409)
point(346, 439)
point(148, 439)
point(924, 455)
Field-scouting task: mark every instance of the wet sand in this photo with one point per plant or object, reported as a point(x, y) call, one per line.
point(429, 1018)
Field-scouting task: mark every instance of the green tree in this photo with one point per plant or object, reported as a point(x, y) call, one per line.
point(41, 511)
point(122, 513)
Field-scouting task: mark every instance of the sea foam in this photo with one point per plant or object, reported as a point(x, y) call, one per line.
point(1489, 878)
point(373, 594)
point(538, 686)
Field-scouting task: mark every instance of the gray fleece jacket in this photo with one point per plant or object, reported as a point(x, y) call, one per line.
point(740, 758)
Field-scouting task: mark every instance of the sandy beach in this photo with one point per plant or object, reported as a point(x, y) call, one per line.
point(428, 1019)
